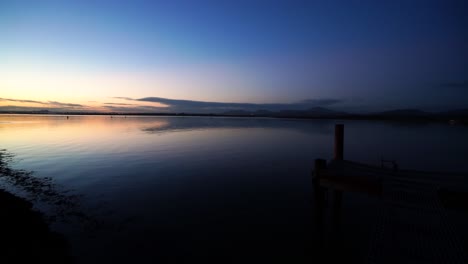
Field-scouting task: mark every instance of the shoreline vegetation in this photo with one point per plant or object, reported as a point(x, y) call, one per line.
point(63, 203)
point(405, 115)
point(26, 233)
point(26, 236)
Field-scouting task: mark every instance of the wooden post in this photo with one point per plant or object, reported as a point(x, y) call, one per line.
point(339, 141)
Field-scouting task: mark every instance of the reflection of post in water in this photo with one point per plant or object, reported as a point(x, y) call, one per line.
point(319, 195)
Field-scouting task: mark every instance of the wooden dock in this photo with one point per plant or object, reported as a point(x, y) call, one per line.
point(412, 225)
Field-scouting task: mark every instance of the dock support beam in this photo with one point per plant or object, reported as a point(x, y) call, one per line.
point(339, 141)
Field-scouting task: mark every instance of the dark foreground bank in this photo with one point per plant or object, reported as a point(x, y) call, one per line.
point(25, 236)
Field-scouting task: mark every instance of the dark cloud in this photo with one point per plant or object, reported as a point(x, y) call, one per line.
point(117, 104)
point(135, 109)
point(190, 103)
point(55, 103)
point(20, 108)
point(49, 103)
point(124, 98)
point(21, 101)
point(208, 107)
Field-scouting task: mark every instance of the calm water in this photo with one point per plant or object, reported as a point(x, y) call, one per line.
point(178, 188)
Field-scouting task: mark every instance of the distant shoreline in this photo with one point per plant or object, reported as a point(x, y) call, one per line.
point(455, 119)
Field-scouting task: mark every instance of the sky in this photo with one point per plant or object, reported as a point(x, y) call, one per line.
point(359, 56)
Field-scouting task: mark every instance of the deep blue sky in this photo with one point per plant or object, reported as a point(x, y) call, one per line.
point(368, 55)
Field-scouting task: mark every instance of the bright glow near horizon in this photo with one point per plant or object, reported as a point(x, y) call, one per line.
point(79, 86)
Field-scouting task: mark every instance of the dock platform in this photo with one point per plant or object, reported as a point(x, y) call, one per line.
point(412, 225)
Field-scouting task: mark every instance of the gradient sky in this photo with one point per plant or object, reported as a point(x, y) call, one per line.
point(362, 55)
